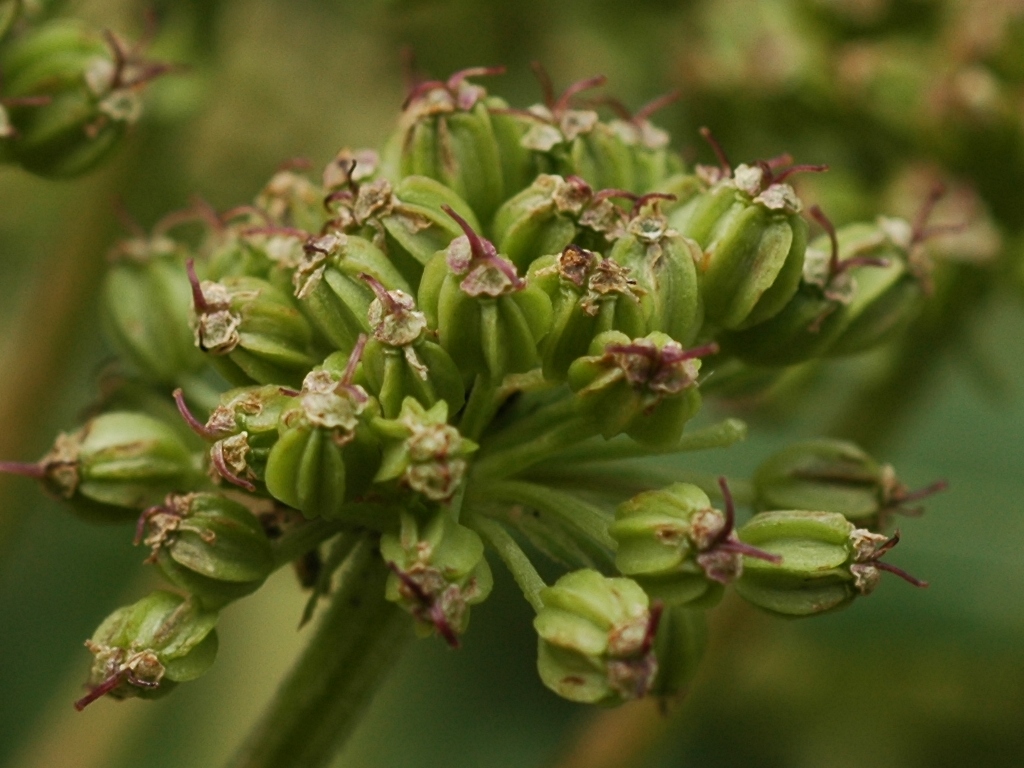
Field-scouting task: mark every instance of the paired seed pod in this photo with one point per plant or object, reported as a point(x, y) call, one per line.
point(438, 571)
point(209, 546)
point(826, 562)
point(145, 649)
point(645, 387)
point(597, 638)
point(114, 466)
point(487, 317)
point(678, 547)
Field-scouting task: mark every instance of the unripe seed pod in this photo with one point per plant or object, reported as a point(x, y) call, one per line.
point(145, 649)
point(114, 466)
point(446, 132)
point(679, 645)
point(291, 200)
point(597, 639)
point(422, 451)
point(70, 94)
point(242, 429)
point(664, 264)
point(677, 546)
point(488, 319)
point(406, 221)
point(646, 387)
point(653, 162)
point(835, 476)
point(207, 545)
point(253, 331)
point(826, 562)
point(589, 295)
point(438, 571)
point(146, 303)
point(400, 361)
point(329, 287)
point(326, 453)
point(748, 225)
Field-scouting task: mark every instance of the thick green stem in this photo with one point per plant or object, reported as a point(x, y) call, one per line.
point(507, 462)
point(356, 643)
point(720, 435)
point(480, 409)
point(512, 555)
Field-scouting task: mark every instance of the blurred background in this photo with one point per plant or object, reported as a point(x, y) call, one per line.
point(892, 94)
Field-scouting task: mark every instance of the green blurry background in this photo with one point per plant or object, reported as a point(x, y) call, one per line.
point(890, 93)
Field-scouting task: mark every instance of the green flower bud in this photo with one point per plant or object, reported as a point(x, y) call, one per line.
point(253, 331)
point(438, 571)
point(646, 387)
point(748, 225)
point(400, 360)
point(114, 466)
point(553, 212)
point(70, 94)
point(245, 249)
point(679, 646)
point(597, 639)
point(835, 476)
point(653, 162)
point(207, 545)
point(677, 546)
point(242, 429)
point(488, 319)
point(326, 454)
point(447, 133)
point(423, 452)
point(406, 221)
point(145, 649)
point(146, 303)
point(664, 264)
point(826, 562)
point(328, 285)
point(575, 141)
point(589, 295)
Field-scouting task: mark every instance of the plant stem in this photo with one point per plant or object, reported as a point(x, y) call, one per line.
point(356, 643)
point(509, 461)
point(512, 555)
point(720, 435)
point(480, 408)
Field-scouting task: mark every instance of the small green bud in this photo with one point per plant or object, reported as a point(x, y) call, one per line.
point(114, 466)
point(664, 264)
point(70, 94)
point(488, 319)
point(826, 562)
point(207, 545)
point(423, 452)
point(646, 387)
point(679, 645)
point(597, 639)
point(677, 546)
point(146, 301)
point(406, 221)
point(400, 360)
point(653, 162)
point(253, 331)
point(329, 287)
point(242, 429)
point(446, 133)
point(326, 453)
point(590, 295)
point(145, 649)
point(438, 571)
point(835, 476)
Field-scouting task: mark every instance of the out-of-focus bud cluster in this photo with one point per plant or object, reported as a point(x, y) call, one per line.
point(391, 348)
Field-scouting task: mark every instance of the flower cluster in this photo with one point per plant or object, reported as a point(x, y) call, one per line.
point(446, 348)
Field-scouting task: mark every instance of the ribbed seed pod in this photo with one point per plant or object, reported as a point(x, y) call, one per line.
point(207, 545)
point(114, 466)
point(438, 571)
point(488, 319)
point(826, 562)
point(589, 295)
point(145, 649)
point(645, 387)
